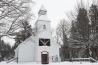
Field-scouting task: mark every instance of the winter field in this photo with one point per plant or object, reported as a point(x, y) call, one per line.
point(60, 63)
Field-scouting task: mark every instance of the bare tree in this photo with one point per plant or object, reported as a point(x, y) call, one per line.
point(23, 34)
point(12, 14)
point(62, 39)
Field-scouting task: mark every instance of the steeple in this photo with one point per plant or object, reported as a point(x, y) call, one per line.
point(42, 11)
point(42, 15)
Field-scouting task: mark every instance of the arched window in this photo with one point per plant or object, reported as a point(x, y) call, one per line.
point(44, 26)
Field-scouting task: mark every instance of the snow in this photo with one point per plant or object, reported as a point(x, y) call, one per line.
point(60, 63)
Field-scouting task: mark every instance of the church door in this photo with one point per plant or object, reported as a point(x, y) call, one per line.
point(44, 57)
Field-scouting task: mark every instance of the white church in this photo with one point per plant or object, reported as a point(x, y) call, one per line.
point(42, 47)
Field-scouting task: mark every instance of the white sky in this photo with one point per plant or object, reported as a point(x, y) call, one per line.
point(57, 9)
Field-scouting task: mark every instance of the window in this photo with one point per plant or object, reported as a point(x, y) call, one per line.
point(44, 26)
point(44, 42)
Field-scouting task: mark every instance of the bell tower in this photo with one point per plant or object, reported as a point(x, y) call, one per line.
point(44, 36)
point(43, 23)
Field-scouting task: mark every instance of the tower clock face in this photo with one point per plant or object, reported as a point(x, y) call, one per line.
point(44, 42)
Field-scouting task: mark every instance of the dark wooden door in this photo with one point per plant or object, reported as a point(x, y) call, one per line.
point(44, 58)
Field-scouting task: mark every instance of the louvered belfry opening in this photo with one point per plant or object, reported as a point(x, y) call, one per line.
point(44, 42)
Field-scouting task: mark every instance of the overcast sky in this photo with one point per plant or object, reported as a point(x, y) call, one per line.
point(57, 9)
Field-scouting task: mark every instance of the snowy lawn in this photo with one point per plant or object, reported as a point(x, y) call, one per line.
point(61, 63)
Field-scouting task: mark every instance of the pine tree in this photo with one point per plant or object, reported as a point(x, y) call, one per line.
point(80, 26)
point(80, 32)
point(83, 25)
point(93, 14)
point(5, 50)
point(74, 31)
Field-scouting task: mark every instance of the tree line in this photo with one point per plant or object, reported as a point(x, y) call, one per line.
point(81, 40)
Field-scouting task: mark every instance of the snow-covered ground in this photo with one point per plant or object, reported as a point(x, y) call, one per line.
point(60, 63)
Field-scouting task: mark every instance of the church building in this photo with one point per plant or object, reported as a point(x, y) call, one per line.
point(41, 47)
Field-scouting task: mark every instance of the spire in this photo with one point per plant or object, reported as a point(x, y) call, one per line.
point(42, 11)
point(43, 8)
point(42, 15)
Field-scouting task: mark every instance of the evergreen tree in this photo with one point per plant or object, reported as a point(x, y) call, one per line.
point(74, 31)
point(4, 50)
point(93, 14)
point(83, 25)
point(80, 30)
point(80, 26)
